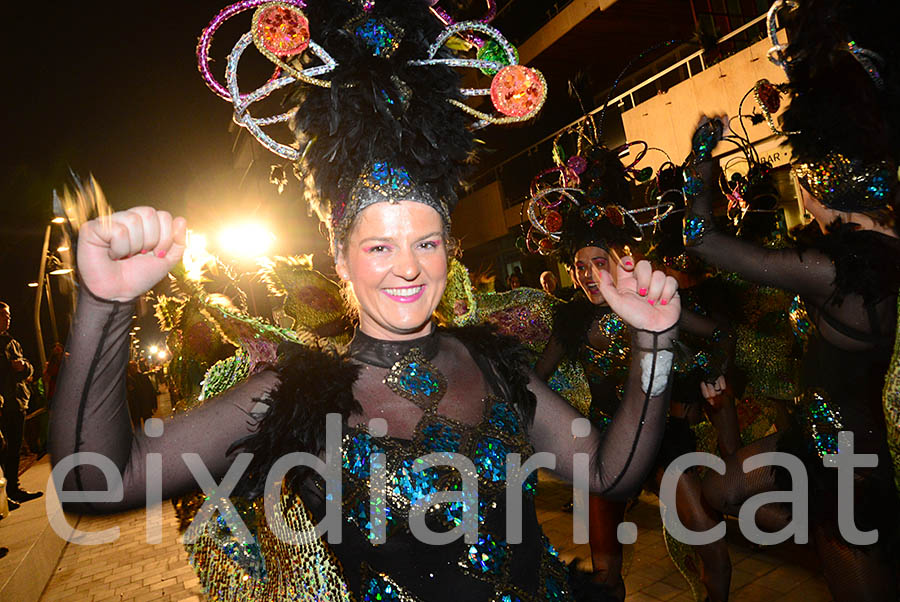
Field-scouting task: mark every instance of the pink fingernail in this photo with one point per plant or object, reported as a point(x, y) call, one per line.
point(143, 251)
point(628, 264)
point(651, 301)
point(160, 254)
point(642, 292)
point(663, 302)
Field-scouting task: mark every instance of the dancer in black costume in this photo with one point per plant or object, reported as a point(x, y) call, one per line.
point(586, 329)
point(846, 146)
point(424, 389)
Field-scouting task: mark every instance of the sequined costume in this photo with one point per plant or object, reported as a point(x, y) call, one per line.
point(848, 282)
point(464, 391)
point(523, 313)
point(891, 403)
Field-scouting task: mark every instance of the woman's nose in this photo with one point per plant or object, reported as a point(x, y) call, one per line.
point(406, 265)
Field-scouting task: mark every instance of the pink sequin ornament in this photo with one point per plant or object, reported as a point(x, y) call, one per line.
point(553, 221)
point(283, 30)
point(614, 215)
point(517, 91)
point(768, 96)
point(577, 163)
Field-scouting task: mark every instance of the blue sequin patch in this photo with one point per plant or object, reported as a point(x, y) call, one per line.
point(359, 515)
point(490, 459)
point(487, 556)
point(245, 555)
point(440, 437)
point(453, 511)
point(379, 590)
point(694, 226)
point(504, 418)
point(548, 547)
point(378, 37)
point(356, 455)
point(395, 178)
point(413, 486)
point(418, 380)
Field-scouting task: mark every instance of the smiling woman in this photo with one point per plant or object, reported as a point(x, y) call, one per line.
point(385, 143)
point(395, 261)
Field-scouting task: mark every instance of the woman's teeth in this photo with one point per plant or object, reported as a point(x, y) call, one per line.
point(404, 292)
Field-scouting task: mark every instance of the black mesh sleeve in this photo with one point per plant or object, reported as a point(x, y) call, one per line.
point(810, 273)
point(625, 453)
point(89, 414)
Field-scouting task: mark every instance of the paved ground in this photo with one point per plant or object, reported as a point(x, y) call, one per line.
point(133, 570)
point(785, 573)
point(128, 569)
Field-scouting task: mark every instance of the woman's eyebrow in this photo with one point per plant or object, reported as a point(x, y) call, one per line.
point(376, 239)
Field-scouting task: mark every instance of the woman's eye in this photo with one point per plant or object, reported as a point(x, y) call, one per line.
point(377, 249)
point(428, 244)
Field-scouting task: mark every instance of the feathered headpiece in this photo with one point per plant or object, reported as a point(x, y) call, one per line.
point(375, 101)
point(585, 199)
point(843, 121)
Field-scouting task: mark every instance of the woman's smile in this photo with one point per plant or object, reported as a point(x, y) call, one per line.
point(407, 294)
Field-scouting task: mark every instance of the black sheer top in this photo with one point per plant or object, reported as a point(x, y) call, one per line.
point(455, 392)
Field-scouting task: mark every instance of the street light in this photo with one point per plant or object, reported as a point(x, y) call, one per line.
point(42, 281)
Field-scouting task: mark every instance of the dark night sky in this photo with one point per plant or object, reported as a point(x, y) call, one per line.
point(113, 89)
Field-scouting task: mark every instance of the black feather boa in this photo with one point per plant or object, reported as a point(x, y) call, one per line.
point(314, 383)
point(317, 382)
point(866, 263)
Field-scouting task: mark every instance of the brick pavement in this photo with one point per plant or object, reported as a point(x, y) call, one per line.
point(128, 569)
point(785, 573)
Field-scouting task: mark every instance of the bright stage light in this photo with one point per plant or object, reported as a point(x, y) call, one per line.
point(196, 257)
point(154, 348)
point(248, 240)
point(163, 354)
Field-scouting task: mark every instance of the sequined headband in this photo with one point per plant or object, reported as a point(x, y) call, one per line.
point(849, 184)
point(381, 182)
point(281, 33)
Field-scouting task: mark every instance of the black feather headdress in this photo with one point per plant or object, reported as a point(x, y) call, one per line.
point(843, 121)
point(375, 102)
